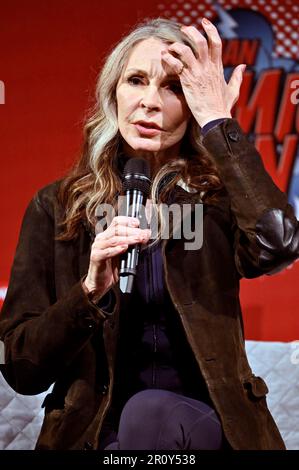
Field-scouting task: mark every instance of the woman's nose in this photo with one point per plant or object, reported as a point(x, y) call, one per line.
point(151, 98)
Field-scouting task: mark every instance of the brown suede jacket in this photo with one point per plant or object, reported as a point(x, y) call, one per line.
point(53, 332)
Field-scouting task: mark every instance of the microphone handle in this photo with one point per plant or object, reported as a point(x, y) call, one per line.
point(129, 264)
point(135, 207)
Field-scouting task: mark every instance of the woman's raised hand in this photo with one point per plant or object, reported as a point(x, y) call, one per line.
point(103, 271)
point(206, 91)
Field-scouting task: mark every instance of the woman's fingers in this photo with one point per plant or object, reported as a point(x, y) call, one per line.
point(202, 78)
point(121, 230)
point(206, 50)
point(108, 248)
point(104, 262)
point(214, 42)
point(120, 225)
point(235, 83)
point(117, 237)
point(179, 58)
point(121, 233)
point(199, 41)
point(125, 220)
point(180, 54)
point(183, 52)
point(173, 65)
point(99, 254)
point(128, 239)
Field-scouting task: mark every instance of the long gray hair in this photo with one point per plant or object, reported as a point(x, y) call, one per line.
point(94, 179)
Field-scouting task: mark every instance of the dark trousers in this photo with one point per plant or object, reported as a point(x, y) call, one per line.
point(163, 420)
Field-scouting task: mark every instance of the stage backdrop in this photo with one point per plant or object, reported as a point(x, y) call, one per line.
point(51, 52)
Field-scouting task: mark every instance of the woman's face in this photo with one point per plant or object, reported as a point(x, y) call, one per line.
point(152, 111)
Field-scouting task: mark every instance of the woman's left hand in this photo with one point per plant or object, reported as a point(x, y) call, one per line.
point(206, 91)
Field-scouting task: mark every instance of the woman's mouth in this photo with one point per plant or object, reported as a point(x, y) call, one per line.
point(147, 128)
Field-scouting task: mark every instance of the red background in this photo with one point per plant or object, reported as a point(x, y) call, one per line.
point(50, 53)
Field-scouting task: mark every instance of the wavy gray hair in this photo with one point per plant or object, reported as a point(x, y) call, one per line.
point(94, 179)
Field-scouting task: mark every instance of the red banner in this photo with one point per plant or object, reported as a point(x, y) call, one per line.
point(50, 56)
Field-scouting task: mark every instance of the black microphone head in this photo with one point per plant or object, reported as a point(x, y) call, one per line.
point(137, 175)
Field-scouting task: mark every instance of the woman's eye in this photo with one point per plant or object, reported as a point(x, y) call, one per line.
point(175, 87)
point(134, 80)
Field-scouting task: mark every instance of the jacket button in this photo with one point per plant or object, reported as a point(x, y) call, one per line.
point(88, 446)
point(104, 390)
point(234, 136)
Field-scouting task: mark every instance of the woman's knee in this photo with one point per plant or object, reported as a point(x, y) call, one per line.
point(140, 420)
point(160, 419)
point(144, 406)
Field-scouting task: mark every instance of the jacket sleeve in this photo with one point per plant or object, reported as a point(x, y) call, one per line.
point(42, 334)
point(266, 231)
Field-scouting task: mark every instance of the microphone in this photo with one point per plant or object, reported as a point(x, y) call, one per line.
point(136, 187)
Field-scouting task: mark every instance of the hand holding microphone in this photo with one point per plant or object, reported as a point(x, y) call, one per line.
point(136, 187)
point(122, 234)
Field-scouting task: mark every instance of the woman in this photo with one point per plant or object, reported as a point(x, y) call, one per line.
point(166, 368)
